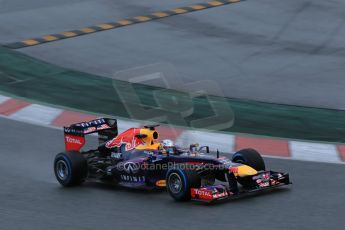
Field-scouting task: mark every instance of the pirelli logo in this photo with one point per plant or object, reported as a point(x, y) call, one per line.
point(120, 23)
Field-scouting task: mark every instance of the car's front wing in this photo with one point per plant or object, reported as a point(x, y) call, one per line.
point(261, 181)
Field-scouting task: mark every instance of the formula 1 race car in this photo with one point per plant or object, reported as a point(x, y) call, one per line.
point(135, 158)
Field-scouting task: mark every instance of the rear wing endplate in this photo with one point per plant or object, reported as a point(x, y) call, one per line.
point(75, 133)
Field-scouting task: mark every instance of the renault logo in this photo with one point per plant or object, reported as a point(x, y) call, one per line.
point(131, 167)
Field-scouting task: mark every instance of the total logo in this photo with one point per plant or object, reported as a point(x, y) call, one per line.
point(73, 140)
point(203, 192)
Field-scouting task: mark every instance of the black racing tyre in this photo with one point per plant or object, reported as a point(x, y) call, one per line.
point(251, 158)
point(70, 168)
point(180, 180)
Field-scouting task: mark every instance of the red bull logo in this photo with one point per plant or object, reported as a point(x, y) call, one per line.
point(128, 137)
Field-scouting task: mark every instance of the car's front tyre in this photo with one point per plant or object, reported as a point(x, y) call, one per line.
point(180, 179)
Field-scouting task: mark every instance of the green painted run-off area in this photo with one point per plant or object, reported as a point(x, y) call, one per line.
point(25, 77)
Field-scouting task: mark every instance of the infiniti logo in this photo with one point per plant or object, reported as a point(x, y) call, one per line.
point(131, 167)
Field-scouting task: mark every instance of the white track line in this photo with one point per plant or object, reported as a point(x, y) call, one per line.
point(299, 150)
point(3, 99)
point(37, 114)
point(314, 152)
point(222, 142)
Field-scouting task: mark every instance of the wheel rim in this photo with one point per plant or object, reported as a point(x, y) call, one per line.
point(62, 170)
point(175, 183)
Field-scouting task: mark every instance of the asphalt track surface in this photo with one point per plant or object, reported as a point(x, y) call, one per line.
point(289, 52)
point(30, 197)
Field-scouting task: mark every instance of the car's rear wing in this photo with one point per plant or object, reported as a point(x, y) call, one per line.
point(75, 133)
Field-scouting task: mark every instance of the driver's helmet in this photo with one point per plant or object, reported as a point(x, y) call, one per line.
point(167, 143)
point(168, 146)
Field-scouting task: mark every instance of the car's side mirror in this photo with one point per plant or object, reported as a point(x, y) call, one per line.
point(205, 147)
point(193, 147)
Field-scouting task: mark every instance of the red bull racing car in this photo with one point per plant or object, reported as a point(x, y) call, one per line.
point(135, 158)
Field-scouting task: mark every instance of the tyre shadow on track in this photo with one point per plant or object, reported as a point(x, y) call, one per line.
point(248, 196)
point(145, 192)
point(116, 187)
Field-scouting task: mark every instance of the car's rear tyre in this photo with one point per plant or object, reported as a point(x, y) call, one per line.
point(180, 180)
point(251, 158)
point(70, 168)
